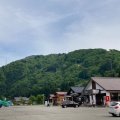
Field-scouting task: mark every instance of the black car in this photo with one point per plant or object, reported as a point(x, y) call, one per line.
point(69, 103)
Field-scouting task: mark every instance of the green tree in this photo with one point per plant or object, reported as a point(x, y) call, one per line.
point(39, 99)
point(32, 98)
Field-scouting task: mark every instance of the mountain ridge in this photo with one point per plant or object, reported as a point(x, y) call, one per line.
point(45, 74)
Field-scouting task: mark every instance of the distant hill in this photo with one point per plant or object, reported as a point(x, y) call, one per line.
point(40, 74)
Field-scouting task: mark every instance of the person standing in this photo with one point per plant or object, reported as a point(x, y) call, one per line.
point(48, 104)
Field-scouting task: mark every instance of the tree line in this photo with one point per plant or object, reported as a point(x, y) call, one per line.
point(46, 74)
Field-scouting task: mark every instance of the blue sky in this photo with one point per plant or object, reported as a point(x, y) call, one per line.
point(42, 27)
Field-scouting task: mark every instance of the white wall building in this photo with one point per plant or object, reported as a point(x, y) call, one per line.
point(102, 90)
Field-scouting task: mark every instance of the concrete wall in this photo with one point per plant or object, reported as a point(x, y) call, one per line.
point(98, 87)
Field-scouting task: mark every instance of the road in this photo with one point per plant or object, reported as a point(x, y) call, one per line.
point(54, 113)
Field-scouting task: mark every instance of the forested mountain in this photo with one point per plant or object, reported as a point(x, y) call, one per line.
point(57, 72)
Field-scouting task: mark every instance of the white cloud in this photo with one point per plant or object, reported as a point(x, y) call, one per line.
point(94, 36)
point(56, 26)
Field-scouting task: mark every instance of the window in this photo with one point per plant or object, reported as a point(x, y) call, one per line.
point(93, 85)
point(114, 96)
point(114, 104)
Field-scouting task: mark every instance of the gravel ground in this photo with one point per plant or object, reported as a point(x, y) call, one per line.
point(54, 113)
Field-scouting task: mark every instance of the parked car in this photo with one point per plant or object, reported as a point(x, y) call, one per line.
point(114, 109)
point(69, 103)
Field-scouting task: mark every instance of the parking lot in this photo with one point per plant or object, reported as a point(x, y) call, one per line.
point(54, 113)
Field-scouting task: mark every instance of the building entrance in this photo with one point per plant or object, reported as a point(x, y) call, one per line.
point(100, 99)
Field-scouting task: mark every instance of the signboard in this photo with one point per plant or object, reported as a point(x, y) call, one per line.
point(107, 98)
point(88, 92)
point(102, 91)
point(95, 91)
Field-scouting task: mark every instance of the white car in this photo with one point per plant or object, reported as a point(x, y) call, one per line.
point(114, 109)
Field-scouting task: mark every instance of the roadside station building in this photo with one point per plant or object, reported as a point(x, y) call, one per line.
point(102, 90)
point(57, 98)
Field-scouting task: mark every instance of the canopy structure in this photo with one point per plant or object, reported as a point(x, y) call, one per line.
point(5, 103)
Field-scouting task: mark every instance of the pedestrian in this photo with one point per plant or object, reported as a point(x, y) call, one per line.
point(93, 103)
point(48, 104)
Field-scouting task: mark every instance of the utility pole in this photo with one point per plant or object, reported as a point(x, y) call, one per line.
point(43, 99)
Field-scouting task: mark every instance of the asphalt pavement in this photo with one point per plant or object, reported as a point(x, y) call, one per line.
point(54, 113)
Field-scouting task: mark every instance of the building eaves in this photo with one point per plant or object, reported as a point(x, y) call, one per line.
point(108, 83)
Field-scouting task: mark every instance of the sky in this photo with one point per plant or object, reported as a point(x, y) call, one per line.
point(43, 27)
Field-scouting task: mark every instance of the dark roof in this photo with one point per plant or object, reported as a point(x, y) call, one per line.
point(19, 98)
point(108, 83)
point(77, 89)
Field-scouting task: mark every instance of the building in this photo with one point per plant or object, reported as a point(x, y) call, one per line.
point(102, 90)
point(77, 90)
point(57, 98)
point(50, 98)
point(75, 94)
point(21, 100)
